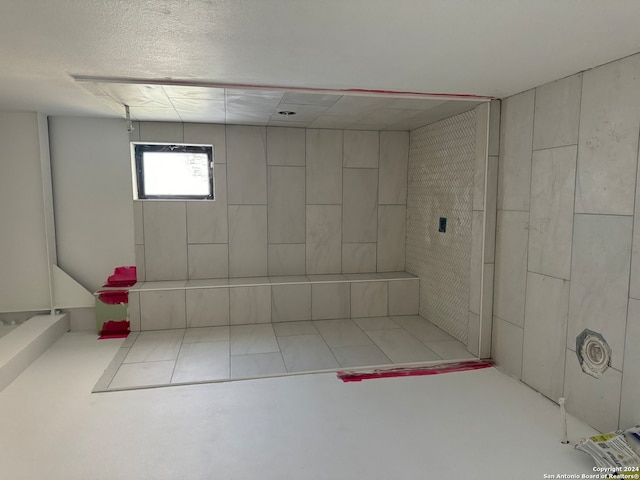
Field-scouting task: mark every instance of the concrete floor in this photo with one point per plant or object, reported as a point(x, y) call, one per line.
point(480, 424)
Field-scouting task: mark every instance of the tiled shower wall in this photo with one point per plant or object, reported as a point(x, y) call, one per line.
point(289, 201)
point(441, 179)
point(567, 242)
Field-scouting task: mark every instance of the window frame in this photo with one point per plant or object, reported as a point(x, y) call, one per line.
point(138, 151)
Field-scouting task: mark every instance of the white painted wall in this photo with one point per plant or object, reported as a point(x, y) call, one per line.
point(93, 200)
point(24, 277)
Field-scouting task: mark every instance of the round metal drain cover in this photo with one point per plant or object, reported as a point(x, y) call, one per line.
point(594, 353)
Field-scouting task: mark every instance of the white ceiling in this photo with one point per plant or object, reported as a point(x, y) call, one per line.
point(459, 47)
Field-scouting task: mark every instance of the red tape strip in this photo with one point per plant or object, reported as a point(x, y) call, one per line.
point(357, 376)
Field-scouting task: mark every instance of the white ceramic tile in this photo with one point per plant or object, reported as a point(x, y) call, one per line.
point(595, 401)
point(422, 329)
point(609, 123)
point(155, 346)
point(330, 300)
point(165, 224)
point(361, 149)
point(247, 240)
point(506, 347)
point(290, 303)
point(250, 305)
point(163, 132)
point(303, 353)
point(450, 350)
point(286, 211)
point(511, 266)
point(207, 282)
point(394, 158)
point(391, 237)
point(557, 113)
point(327, 278)
point(600, 279)
point(324, 239)
point(475, 266)
point(207, 307)
point(199, 362)
point(396, 275)
point(208, 261)
point(287, 329)
point(133, 311)
point(634, 287)
point(629, 406)
point(404, 297)
point(363, 276)
point(285, 146)
point(487, 311)
point(360, 205)
point(516, 140)
point(246, 165)
point(359, 257)
point(341, 333)
point(480, 163)
point(360, 356)
point(140, 265)
point(207, 220)
point(490, 212)
point(161, 285)
point(324, 166)
point(138, 226)
point(142, 374)
point(208, 134)
point(545, 334)
point(473, 333)
point(551, 220)
point(257, 365)
point(376, 323)
point(134, 136)
point(369, 299)
point(283, 279)
point(250, 339)
point(249, 281)
point(494, 128)
point(206, 335)
point(162, 309)
point(401, 347)
point(287, 259)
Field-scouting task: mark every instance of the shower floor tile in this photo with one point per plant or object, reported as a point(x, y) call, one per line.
point(211, 354)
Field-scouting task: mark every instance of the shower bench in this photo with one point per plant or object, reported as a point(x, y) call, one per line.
point(162, 305)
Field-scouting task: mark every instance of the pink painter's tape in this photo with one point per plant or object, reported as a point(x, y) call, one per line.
point(357, 376)
point(113, 297)
point(122, 277)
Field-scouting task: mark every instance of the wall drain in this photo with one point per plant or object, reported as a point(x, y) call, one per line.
point(594, 353)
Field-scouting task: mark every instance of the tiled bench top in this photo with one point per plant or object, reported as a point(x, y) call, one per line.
point(279, 280)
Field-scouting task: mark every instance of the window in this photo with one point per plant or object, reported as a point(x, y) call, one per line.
point(165, 171)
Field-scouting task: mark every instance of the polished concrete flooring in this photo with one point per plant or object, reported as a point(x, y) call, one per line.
point(479, 424)
point(207, 354)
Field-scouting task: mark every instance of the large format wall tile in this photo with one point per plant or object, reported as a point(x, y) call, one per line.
point(480, 161)
point(208, 134)
point(360, 205)
point(545, 332)
point(246, 165)
point(330, 300)
point(208, 261)
point(248, 305)
point(594, 400)
point(404, 297)
point(394, 159)
point(391, 237)
point(287, 259)
point(163, 132)
point(608, 140)
point(285, 146)
point(361, 149)
point(511, 266)
point(206, 220)
point(369, 299)
point(162, 310)
point(138, 222)
point(551, 221)
point(516, 137)
point(358, 257)
point(286, 204)
point(506, 347)
point(475, 267)
point(557, 113)
point(324, 166)
point(634, 287)
point(165, 224)
point(247, 240)
point(600, 279)
point(290, 303)
point(324, 243)
point(207, 307)
point(629, 405)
